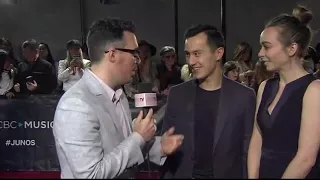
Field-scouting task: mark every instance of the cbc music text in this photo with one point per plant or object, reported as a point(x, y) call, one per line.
point(24, 142)
point(26, 124)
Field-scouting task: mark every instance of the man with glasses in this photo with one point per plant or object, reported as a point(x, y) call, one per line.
point(92, 125)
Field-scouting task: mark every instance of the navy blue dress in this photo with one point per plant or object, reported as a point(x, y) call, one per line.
point(280, 129)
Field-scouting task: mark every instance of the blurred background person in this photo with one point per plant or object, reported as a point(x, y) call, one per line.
point(231, 70)
point(45, 54)
point(146, 71)
point(168, 69)
point(309, 60)
point(7, 74)
point(71, 69)
point(243, 55)
point(317, 62)
point(35, 75)
point(186, 74)
point(6, 45)
point(260, 74)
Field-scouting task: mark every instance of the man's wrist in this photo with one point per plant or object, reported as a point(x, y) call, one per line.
point(139, 138)
point(162, 153)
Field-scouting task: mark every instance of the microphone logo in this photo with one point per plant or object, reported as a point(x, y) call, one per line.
point(145, 100)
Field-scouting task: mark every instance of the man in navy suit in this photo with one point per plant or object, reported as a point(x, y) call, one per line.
point(214, 113)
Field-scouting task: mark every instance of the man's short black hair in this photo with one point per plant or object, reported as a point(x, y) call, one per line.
point(215, 37)
point(104, 32)
point(31, 44)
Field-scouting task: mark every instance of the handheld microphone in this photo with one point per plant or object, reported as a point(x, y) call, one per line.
point(146, 99)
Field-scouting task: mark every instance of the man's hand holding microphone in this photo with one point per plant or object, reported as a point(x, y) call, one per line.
point(147, 127)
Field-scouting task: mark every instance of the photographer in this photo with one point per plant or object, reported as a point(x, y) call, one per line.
point(35, 75)
point(71, 69)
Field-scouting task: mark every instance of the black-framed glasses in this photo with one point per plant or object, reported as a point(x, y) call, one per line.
point(134, 52)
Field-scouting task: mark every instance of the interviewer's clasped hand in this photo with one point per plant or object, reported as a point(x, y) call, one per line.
point(145, 127)
point(170, 142)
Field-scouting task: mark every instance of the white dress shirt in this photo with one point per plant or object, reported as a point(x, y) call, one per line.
point(115, 97)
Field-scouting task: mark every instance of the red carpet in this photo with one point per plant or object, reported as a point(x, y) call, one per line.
point(31, 174)
point(55, 175)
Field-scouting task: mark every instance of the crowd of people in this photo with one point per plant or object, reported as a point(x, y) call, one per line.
point(38, 73)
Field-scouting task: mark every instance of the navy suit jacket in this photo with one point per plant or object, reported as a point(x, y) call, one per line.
point(232, 131)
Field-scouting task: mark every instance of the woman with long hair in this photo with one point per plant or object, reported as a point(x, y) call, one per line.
point(71, 69)
point(260, 74)
point(45, 54)
point(243, 55)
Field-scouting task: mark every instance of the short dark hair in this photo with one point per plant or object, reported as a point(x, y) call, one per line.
point(104, 32)
point(215, 37)
point(31, 44)
point(294, 28)
point(229, 66)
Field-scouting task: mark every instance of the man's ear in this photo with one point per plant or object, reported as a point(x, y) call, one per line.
point(111, 55)
point(219, 53)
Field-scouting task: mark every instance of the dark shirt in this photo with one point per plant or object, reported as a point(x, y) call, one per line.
point(42, 72)
point(206, 108)
point(167, 77)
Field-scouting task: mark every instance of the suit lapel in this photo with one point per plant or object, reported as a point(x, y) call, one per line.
point(102, 98)
point(126, 108)
point(190, 108)
point(111, 109)
point(222, 113)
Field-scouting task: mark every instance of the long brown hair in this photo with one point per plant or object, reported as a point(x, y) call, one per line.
point(240, 50)
point(69, 57)
point(261, 72)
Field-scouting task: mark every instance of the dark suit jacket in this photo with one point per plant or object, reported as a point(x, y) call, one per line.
point(232, 134)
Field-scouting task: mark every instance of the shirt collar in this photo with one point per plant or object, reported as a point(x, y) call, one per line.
point(113, 95)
